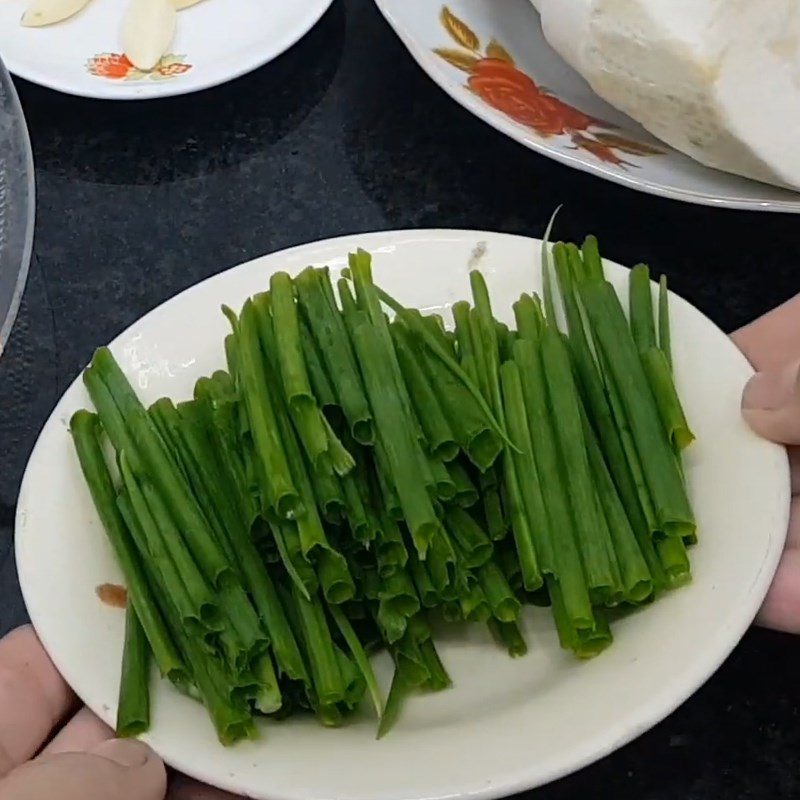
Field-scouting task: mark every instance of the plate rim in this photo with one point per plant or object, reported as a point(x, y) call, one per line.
point(30, 211)
point(507, 127)
point(110, 90)
point(661, 706)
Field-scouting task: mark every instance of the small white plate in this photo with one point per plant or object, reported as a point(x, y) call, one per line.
point(546, 106)
point(506, 725)
point(215, 41)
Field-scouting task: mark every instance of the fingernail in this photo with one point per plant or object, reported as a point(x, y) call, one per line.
point(125, 752)
point(768, 391)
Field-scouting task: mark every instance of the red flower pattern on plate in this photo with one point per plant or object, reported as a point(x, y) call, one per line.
point(117, 67)
point(110, 65)
point(495, 78)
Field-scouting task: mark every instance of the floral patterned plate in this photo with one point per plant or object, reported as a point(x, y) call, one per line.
point(215, 41)
point(491, 57)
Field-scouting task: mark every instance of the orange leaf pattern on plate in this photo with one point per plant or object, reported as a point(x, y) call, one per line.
point(602, 152)
point(457, 58)
point(626, 145)
point(495, 50)
point(495, 79)
point(117, 67)
point(164, 71)
point(460, 32)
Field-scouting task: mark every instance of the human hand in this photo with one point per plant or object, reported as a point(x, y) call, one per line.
point(83, 760)
point(771, 405)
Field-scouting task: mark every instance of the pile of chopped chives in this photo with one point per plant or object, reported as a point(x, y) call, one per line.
point(352, 480)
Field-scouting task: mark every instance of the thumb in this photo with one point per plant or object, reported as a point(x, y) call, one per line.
point(771, 404)
point(117, 769)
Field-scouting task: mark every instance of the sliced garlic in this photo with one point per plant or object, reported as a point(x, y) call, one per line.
point(147, 30)
point(181, 4)
point(48, 12)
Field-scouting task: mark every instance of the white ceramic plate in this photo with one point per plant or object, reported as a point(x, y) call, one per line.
point(545, 105)
point(507, 725)
point(216, 41)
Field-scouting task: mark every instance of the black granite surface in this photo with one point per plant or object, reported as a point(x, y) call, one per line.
point(342, 134)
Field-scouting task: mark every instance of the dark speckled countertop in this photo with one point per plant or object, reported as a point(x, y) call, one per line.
point(343, 134)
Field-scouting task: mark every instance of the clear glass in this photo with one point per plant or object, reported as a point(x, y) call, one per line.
point(17, 204)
